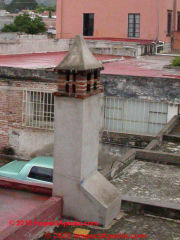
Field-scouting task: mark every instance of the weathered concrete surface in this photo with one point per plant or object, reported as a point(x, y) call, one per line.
point(31, 44)
point(122, 163)
point(154, 228)
point(168, 127)
point(104, 195)
point(150, 88)
point(156, 182)
point(77, 125)
point(127, 139)
point(84, 57)
point(31, 142)
point(176, 129)
point(172, 138)
point(158, 157)
point(169, 147)
point(108, 155)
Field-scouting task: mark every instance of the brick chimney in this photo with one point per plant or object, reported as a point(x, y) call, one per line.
point(79, 72)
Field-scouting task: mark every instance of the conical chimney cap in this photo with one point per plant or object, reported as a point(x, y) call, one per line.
point(79, 58)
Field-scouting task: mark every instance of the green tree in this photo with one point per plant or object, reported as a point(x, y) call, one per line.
point(176, 62)
point(42, 8)
point(9, 28)
point(18, 5)
point(23, 23)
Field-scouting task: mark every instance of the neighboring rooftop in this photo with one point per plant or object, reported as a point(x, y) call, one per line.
point(150, 66)
point(40, 60)
point(169, 147)
point(149, 181)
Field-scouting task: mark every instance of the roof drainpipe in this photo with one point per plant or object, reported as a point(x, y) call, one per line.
point(174, 22)
point(157, 26)
point(61, 18)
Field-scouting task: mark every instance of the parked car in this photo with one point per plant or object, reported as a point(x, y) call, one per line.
point(39, 170)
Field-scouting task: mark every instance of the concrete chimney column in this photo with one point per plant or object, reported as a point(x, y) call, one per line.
point(87, 195)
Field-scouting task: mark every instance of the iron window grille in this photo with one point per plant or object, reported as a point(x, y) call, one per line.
point(38, 109)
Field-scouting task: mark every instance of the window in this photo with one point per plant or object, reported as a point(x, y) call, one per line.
point(133, 25)
point(169, 23)
point(40, 173)
point(88, 24)
point(89, 76)
point(96, 74)
point(135, 115)
point(178, 23)
point(38, 109)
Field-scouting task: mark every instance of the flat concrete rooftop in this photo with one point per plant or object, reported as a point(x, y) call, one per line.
point(150, 66)
point(40, 60)
point(156, 183)
point(146, 227)
point(169, 147)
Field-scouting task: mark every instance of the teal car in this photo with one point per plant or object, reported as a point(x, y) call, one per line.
point(39, 170)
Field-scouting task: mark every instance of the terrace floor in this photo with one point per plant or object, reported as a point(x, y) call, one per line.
point(14, 205)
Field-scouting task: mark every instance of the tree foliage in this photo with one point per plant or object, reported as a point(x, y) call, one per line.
point(18, 5)
point(23, 23)
point(176, 62)
point(42, 8)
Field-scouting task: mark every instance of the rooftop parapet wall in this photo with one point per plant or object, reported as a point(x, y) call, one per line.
point(15, 43)
point(19, 44)
point(149, 88)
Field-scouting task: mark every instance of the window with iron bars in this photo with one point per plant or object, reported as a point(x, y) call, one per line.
point(38, 109)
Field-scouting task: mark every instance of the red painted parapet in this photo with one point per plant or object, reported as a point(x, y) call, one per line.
point(50, 211)
point(26, 186)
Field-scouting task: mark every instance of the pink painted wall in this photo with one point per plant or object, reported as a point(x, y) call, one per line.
point(111, 17)
point(166, 5)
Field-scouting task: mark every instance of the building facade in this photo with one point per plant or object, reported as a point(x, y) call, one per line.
point(132, 105)
point(5, 18)
point(130, 19)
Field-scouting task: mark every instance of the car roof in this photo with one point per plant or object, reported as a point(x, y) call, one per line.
point(42, 162)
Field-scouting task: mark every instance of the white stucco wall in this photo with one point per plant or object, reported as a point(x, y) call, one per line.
point(18, 44)
point(30, 143)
